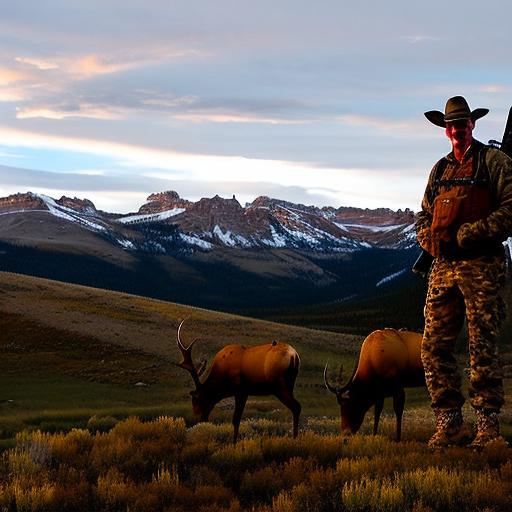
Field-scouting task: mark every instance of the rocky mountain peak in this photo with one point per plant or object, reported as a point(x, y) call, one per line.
point(81, 205)
point(163, 201)
point(25, 201)
point(207, 213)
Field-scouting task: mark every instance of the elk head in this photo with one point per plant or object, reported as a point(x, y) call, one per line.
point(202, 405)
point(352, 409)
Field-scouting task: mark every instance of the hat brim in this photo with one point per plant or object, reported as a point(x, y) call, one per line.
point(436, 117)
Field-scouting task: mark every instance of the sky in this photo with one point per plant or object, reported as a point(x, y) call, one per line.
point(319, 103)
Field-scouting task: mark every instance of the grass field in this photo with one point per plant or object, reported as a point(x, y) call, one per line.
point(72, 357)
point(71, 352)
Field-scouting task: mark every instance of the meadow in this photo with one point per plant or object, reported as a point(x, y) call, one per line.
point(95, 415)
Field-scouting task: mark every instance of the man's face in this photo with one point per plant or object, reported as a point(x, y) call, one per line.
point(460, 133)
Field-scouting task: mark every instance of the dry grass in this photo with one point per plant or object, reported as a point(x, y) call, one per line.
point(160, 466)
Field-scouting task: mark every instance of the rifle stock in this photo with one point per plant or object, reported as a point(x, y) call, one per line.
point(423, 263)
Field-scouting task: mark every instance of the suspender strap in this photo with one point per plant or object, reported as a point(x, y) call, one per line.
point(479, 168)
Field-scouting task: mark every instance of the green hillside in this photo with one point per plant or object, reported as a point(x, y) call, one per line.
point(71, 352)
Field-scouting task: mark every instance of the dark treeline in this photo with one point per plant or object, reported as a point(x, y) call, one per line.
point(350, 303)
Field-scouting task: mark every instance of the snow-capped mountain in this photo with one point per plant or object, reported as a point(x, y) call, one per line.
point(269, 255)
point(167, 222)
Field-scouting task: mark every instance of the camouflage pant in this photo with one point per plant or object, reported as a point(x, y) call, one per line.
point(456, 289)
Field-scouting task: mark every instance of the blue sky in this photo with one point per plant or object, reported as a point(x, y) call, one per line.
point(314, 102)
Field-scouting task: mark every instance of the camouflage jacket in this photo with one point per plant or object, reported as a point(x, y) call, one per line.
point(497, 227)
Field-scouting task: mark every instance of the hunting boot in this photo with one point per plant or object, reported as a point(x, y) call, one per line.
point(450, 430)
point(487, 429)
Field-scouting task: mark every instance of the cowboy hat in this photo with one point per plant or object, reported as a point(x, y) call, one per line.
point(456, 108)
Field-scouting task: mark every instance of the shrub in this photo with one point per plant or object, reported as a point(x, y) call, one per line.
point(261, 485)
point(33, 497)
point(72, 449)
point(101, 423)
point(138, 449)
point(239, 458)
point(445, 489)
point(296, 470)
point(369, 494)
point(115, 491)
point(283, 502)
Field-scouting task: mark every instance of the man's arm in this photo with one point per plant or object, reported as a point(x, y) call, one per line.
point(498, 225)
point(423, 219)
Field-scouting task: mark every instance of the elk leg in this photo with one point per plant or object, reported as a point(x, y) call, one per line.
point(240, 401)
point(287, 399)
point(379, 404)
point(398, 406)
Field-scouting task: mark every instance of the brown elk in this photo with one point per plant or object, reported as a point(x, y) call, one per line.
point(389, 361)
point(238, 372)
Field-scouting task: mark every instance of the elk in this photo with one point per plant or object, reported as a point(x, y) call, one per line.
point(238, 371)
point(389, 361)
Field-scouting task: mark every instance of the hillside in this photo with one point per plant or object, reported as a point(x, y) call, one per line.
point(72, 352)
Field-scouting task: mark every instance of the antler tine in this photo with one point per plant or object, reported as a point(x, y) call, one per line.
point(346, 386)
point(180, 344)
point(331, 388)
point(187, 363)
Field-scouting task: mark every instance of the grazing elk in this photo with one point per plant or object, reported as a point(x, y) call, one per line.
point(389, 361)
point(239, 371)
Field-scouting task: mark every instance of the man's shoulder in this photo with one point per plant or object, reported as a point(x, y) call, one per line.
point(439, 166)
point(495, 156)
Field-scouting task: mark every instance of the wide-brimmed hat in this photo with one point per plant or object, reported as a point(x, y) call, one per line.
point(457, 108)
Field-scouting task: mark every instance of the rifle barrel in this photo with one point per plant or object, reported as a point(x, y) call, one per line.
point(506, 143)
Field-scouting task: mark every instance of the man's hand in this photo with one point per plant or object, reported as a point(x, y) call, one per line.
point(471, 234)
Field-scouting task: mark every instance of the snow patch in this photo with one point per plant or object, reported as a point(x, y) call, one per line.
point(194, 240)
point(375, 229)
point(150, 217)
point(225, 238)
point(68, 214)
point(391, 277)
point(126, 244)
point(277, 239)
point(341, 226)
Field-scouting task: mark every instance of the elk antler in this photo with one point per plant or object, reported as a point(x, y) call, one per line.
point(340, 389)
point(330, 387)
point(187, 363)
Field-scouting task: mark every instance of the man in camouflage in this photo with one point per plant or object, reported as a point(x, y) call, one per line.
point(466, 214)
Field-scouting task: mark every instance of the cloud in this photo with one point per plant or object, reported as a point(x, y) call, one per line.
point(92, 65)
point(10, 76)
point(63, 112)
point(234, 118)
point(122, 194)
point(421, 38)
point(387, 125)
point(350, 186)
point(41, 64)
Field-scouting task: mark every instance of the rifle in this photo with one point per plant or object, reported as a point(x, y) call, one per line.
point(506, 142)
point(424, 261)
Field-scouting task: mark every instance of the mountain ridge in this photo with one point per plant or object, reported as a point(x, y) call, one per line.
point(215, 222)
